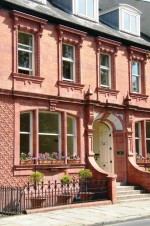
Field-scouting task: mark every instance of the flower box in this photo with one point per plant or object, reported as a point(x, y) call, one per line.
point(73, 161)
point(44, 161)
point(27, 162)
point(58, 161)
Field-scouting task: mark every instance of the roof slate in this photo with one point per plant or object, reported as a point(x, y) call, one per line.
point(51, 10)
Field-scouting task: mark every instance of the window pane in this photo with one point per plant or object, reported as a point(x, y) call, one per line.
point(147, 129)
point(24, 143)
point(70, 147)
point(25, 59)
point(137, 130)
point(48, 143)
point(48, 123)
point(67, 70)
point(148, 146)
point(104, 77)
point(68, 51)
point(135, 84)
point(25, 122)
point(25, 40)
point(126, 21)
point(70, 125)
point(135, 68)
point(90, 8)
point(104, 60)
point(81, 7)
point(133, 24)
point(137, 146)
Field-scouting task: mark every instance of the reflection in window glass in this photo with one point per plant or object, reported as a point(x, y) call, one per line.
point(71, 136)
point(105, 70)
point(25, 133)
point(68, 62)
point(138, 138)
point(25, 53)
point(136, 76)
point(49, 132)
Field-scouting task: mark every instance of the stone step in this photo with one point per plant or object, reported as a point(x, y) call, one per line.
point(134, 200)
point(128, 187)
point(128, 192)
point(136, 196)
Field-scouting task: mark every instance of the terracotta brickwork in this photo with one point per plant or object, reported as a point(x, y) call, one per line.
point(84, 99)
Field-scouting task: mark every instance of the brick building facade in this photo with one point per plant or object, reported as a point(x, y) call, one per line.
point(75, 86)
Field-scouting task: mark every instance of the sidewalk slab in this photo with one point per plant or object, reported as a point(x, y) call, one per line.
point(82, 216)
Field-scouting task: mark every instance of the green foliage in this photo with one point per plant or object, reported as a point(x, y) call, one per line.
point(36, 177)
point(85, 174)
point(66, 179)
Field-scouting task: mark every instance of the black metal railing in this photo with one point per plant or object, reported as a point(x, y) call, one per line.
point(18, 200)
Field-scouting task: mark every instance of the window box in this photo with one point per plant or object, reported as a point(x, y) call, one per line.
point(58, 161)
point(73, 161)
point(44, 161)
point(27, 162)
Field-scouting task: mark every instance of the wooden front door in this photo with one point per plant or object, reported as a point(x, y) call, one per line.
point(104, 147)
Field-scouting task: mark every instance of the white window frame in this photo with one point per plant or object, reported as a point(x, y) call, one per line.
point(95, 7)
point(40, 1)
point(107, 69)
point(31, 71)
point(74, 134)
point(137, 76)
point(122, 22)
point(147, 138)
point(30, 132)
point(73, 61)
point(54, 134)
point(139, 138)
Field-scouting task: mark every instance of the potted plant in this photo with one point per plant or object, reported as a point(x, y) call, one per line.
point(37, 199)
point(65, 197)
point(66, 179)
point(36, 177)
point(26, 159)
point(85, 174)
point(73, 159)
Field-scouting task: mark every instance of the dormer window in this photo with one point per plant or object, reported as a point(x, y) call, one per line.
point(130, 22)
point(87, 9)
point(123, 17)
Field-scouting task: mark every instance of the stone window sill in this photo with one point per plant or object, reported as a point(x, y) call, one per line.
point(111, 92)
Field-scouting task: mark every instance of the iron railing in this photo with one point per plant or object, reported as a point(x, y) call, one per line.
point(18, 200)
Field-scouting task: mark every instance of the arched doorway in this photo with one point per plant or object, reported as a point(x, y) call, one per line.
point(103, 146)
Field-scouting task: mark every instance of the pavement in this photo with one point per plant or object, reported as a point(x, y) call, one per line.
point(82, 216)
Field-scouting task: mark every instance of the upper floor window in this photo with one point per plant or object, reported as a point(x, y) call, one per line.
point(86, 8)
point(68, 62)
point(105, 72)
point(129, 20)
point(136, 77)
point(25, 53)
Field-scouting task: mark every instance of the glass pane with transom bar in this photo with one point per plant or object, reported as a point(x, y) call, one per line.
point(104, 77)
point(133, 24)
point(48, 123)
point(67, 70)
point(104, 70)
point(126, 21)
point(81, 7)
point(90, 8)
point(25, 53)
point(136, 76)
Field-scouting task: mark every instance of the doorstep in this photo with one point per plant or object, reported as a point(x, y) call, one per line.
point(52, 208)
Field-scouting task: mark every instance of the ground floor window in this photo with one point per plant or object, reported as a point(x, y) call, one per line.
point(142, 138)
point(44, 131)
